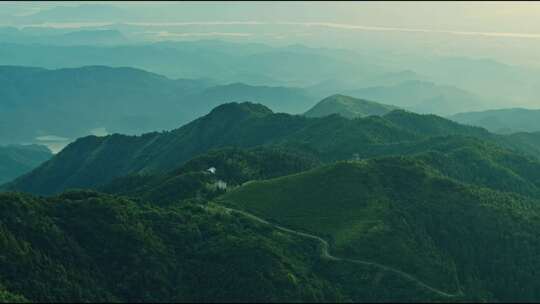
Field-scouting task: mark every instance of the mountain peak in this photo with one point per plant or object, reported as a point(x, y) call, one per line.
point(337, 97)
point(348, 107)
point(235, 108)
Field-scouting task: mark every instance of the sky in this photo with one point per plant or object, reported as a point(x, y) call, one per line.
point(504, 17)
point(508, 31)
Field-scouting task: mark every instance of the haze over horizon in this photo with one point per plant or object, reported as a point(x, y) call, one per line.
point(505, 31)
point(441, 58)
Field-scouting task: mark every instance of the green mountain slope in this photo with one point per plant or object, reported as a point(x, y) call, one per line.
point(8, 297)
point(92, 247)
point(194, 179)
point(348, 107)
point(527, 142)
point(502, 121)
point(350, 231)
point(480, 163)
point(17, 160)
point(403, 214)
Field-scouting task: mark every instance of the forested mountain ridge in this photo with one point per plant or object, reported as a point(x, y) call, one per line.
point(370, 199)
point(447, 233)
point(89, 243)
point(92, 161)
point(199, 177)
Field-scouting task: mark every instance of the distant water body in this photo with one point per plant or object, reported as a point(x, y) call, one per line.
point(53, 142)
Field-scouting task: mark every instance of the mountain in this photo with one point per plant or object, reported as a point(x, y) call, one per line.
point(422, 96)
point(465, 159)
point(88, 37)
point(527, 142)
point(485, 82)
point(281, 99)
point(194, 252)
point(244, 204)
point(348, 107)
point(94, 161)
point(333, 85)
point(227, 125)
point(16, 160)
point(70, 103)
point(502, 121)
point(225, 62)
point(446, 234)
point(199, 177)
point(502, 84)
point(62, 37)
point(480, 163)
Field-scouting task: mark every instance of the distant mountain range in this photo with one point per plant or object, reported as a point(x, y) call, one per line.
point(94, 37)
point(224, 62)
point(423, 97)
point(70, 103)
point(459, 79)
point(16, 160)
point(503, 120)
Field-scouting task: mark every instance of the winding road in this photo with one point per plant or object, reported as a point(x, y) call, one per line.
point(327, 255)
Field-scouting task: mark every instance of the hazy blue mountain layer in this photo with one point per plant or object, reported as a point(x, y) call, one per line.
point(502, 121)
point(16, 160)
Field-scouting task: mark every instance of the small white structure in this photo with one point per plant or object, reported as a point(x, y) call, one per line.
point(221, 185)
point(211, 170)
